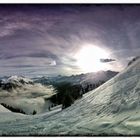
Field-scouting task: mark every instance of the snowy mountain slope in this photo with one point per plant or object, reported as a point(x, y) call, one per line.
point(111, 109)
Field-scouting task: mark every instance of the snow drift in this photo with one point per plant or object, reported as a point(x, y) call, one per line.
point(111, 109)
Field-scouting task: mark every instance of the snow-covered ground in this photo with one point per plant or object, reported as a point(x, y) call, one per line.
point(111, 109)
point(3, 109)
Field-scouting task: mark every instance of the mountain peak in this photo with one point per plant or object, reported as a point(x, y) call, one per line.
point(17, 79)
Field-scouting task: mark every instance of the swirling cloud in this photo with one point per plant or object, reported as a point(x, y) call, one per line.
point(43, 39)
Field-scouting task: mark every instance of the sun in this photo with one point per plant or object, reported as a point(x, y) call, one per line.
point(88, 58)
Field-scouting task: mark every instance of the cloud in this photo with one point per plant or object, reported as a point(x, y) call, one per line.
point(106, 60)
point(41, 54)
point(46, 38)
point(8, 29)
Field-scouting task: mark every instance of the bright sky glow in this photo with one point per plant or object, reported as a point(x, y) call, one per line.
point(88, 58)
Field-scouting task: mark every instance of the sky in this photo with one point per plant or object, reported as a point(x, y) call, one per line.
point(37, 40)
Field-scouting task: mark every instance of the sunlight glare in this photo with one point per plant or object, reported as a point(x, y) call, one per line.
point(88, 58)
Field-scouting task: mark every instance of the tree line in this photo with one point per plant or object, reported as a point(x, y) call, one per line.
point(67, 93)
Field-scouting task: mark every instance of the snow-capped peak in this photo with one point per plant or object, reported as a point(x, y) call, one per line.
point(17, 79)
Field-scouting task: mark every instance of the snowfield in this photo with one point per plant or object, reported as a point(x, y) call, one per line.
point(111, 109)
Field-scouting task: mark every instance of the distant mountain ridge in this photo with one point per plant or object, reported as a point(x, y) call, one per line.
point(93, 77)
point(13, 82)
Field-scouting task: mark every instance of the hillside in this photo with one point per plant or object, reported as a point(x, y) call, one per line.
point(111, 109)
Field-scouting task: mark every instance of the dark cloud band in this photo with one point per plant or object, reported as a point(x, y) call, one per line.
point(106, 60)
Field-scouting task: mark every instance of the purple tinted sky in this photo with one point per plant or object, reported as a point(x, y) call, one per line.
point(41, 39)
